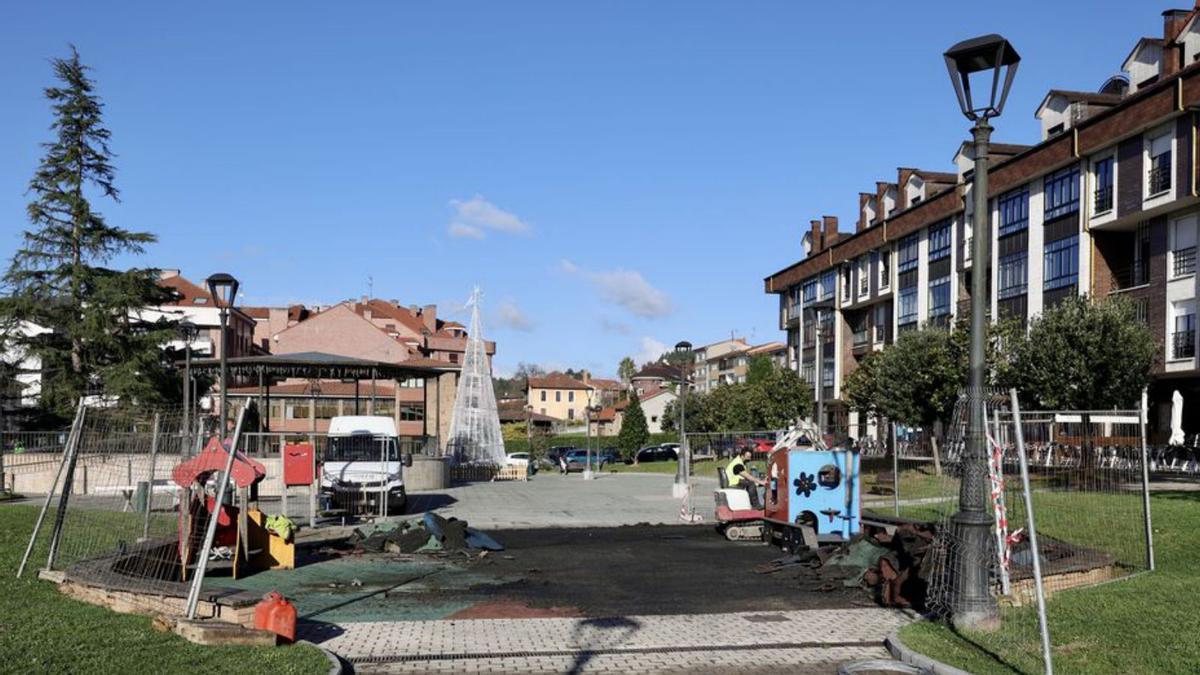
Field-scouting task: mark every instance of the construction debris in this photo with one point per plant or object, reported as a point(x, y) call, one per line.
point(433, 534)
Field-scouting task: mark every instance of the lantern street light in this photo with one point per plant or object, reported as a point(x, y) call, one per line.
point(973, 605)
point(683, 353)
point(223, 288)
point(187, 331)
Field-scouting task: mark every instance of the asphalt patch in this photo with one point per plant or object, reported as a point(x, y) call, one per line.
point(643, 569)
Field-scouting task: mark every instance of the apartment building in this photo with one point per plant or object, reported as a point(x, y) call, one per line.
point(728, 361)
point(1106, 202)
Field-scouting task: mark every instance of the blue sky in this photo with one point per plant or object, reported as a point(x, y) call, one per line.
point(617, 176)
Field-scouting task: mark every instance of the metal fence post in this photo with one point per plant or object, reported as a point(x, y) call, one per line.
point(202, 561)
point(1033, 542)
point(895, 471)
point(1143, 413)
point(150, 484)
point(37, 526)
point(68, 485)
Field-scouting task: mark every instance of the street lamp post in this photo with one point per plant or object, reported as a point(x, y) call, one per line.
point(683, 351)
point(223, 288)
point(973, 605)
point(187, 331)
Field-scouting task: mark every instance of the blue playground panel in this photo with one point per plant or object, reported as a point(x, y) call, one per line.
point(825, 483)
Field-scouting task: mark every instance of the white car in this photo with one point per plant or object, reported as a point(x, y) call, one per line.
point(517, 459)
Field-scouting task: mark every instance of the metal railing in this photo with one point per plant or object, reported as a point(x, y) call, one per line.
point(1137, 274)
point(1183, 344)
point(1183, 261)
point(1102, 199)
point(271, 443)
point(1160, 175)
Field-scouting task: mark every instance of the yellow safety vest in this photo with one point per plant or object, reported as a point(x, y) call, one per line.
point(733, 478)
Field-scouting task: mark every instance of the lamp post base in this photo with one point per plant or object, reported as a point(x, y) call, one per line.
point(587, 474)
point(679, 490)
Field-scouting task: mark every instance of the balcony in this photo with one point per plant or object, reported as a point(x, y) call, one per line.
point(1183, 344)
point(1137, 274)
point(1102, 200)
point(1184, 261)
point(1160, 176)
point(861, 338)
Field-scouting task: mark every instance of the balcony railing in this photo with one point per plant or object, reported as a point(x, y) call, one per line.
point(1183, 344)
point(1137, 274)
point(1102, 199)
point(1160, 175)
point(1184, 261)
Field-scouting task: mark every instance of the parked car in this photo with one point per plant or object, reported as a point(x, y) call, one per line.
point(610, 455)
point(520, 459)
point(577, 460)
point(555, 454)
point(674, 447)
point(655, 453)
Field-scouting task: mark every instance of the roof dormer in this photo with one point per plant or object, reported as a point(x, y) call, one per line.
point(1060, 109)
point(1189, 38)
point(867, 214)
point(914, 190)
point(1144, 63)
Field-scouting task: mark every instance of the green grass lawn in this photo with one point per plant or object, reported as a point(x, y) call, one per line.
point(1147, 624)
point(705, 468)
point(43, 631)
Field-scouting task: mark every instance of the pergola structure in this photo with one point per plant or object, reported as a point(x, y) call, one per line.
point(270, 368)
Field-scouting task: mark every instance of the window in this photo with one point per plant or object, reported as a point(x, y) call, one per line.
point(1160, 165)
point(810, 291)
point(383, 406)
point(1183, 340)
point(298, 410)
point(558, 397)
point(1013, 274)
point(1102, 198)
point(881, 322)
point(808, 372)
point(412, 383)
point(570, 413)
point(1183, 247)
point(939, 297)
point(885, 268)
point(908, 253)
point(827, 326)
point(453, 358)
point(1014, 211)
point(1061, 263)
point(864, 275)
point(907, 306)
point(845, 284)
point(327, 409)
point(543, 395)
point(412, 413)
point(939, 241)
point(570, 397)
point(828, 282)
point(1062, 192)
point(827, 371)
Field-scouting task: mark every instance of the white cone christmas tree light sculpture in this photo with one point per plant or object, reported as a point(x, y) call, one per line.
point(475, 422)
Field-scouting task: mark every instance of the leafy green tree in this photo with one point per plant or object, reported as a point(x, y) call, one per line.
point(1081, 355)
point(760, 369)
point(777, 400)
point(626, 370)
point(634, 432)
point(787, 396)
point(98, 341)
point(694, 402)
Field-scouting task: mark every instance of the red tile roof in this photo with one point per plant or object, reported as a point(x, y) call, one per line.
point(555, 381)
point(608, 385)
point(189, 293)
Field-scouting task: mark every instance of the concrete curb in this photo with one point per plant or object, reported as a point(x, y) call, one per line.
point(902, 653)
point(335, 663)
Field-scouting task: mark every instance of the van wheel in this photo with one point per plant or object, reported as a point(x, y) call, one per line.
point(397, 502)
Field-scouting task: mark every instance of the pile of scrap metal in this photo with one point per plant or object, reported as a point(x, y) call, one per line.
point(888, 559)
point(431, 534)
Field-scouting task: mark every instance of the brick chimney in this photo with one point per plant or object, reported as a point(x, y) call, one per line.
point(1172, 55)
point(587, 377)
point(815, 233)
point(830, 224)
point(429, 316)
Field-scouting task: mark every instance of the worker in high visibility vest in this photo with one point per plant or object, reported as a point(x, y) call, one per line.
point(737, 472)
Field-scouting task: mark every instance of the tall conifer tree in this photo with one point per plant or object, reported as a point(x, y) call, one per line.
point(99, 340)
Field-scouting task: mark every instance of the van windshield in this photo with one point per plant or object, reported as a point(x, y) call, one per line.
point(361, 448)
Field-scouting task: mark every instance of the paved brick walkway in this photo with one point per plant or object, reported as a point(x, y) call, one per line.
point(796, 641)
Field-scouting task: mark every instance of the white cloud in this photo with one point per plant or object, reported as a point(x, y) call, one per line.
point(625, 288)
point(649, 350)
point(462, 231)
point(615, 327)
point(473, 217)
point(509, 315)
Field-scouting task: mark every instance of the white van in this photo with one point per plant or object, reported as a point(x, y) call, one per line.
point(362, 462)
